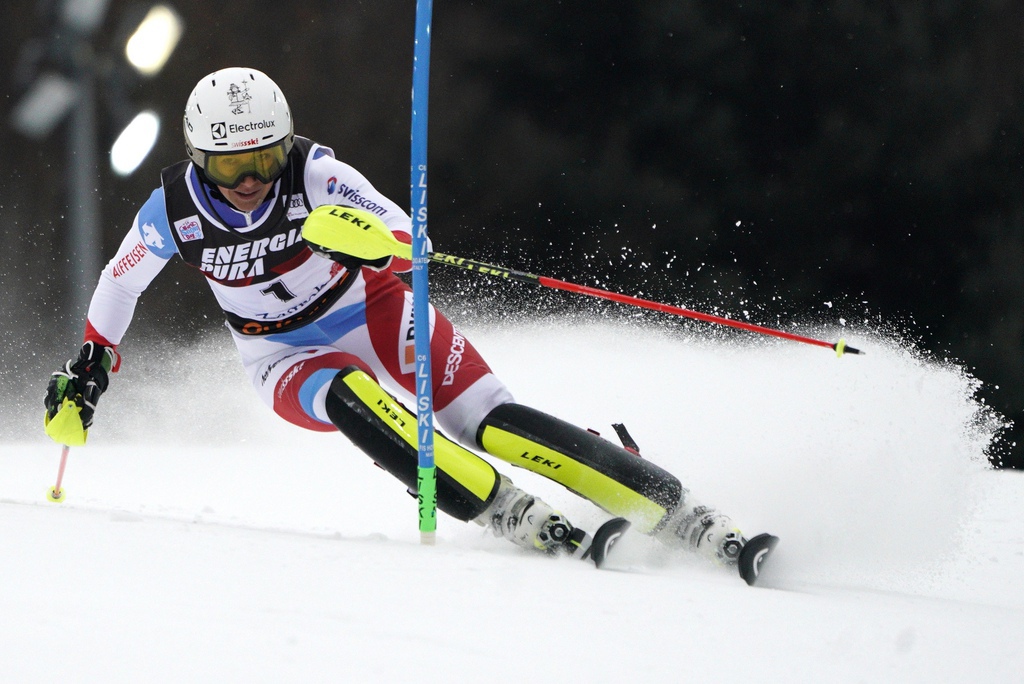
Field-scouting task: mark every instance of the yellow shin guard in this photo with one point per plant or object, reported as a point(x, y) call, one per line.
point(618, 481)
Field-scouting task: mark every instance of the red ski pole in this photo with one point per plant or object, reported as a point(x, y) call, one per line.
point(500, 272)
point(370, 238)
point(56, 493)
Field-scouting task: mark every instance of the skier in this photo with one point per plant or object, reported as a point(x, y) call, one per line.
point(322, 332)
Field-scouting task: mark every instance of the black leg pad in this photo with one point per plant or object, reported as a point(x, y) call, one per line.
point(386, 431)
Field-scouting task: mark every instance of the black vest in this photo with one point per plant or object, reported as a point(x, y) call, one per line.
point(233, 258)
point(238, 260)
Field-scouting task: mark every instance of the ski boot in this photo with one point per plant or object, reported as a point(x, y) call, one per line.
point(712, 535)
point(704, 531)
point(530, 523)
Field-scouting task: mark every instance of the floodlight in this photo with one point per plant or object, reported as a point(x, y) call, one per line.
point(45, 104)
point(149, 48)
point(134, 143)
point(84, 15)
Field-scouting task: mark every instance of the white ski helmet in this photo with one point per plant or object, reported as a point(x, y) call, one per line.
point(237, 124)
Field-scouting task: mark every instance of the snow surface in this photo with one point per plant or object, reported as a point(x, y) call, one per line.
point(205, 540)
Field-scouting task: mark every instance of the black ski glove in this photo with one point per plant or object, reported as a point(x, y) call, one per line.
point(81, 381)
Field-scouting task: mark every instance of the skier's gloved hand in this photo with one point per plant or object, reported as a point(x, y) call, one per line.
point(354, 263)
point(352, 237)
point(78, 385)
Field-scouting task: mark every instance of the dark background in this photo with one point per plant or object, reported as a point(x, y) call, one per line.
point(807, 161)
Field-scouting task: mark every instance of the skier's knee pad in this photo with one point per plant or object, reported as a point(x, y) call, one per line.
point(386, 431)
point(618, 481)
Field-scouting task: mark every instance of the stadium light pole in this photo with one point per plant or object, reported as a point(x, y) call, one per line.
point(86, 236)
point(66, 74)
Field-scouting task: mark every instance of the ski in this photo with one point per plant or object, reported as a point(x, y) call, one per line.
point(604, 539)
point(753, 554)
point(751, 558)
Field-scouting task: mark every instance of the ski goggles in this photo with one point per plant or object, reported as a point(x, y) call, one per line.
point(229, 169)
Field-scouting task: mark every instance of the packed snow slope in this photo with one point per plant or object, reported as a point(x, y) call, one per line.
point(205, 540)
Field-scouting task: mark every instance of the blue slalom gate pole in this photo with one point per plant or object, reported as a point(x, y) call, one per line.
point(426, 475)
